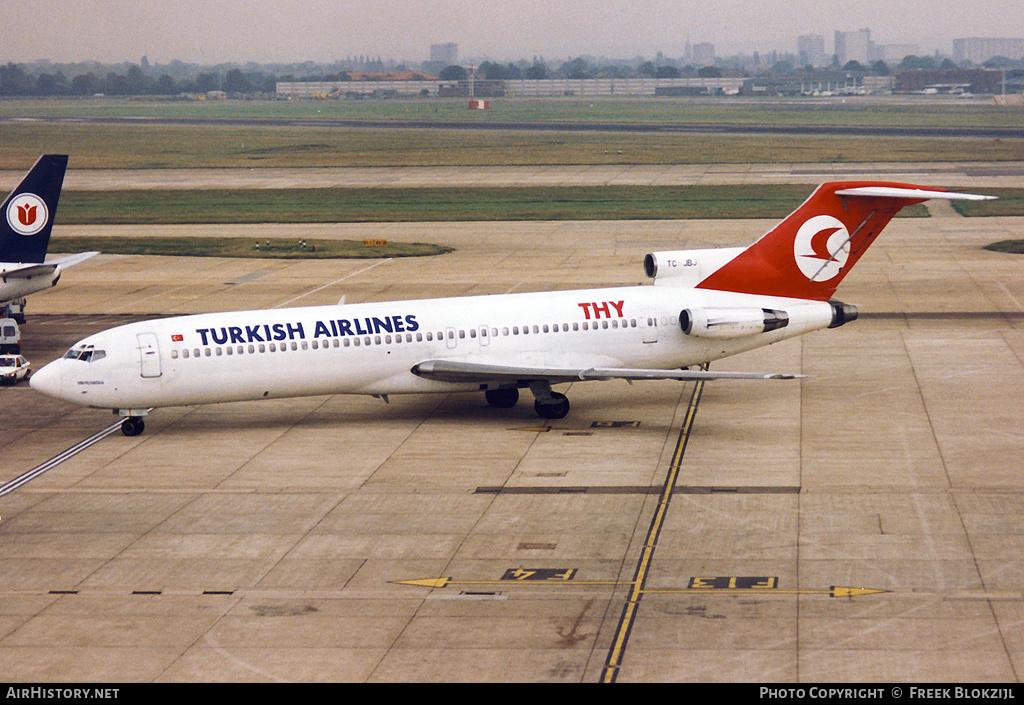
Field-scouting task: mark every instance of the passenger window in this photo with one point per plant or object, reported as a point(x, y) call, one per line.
point(545, 328)
point(184, 353)
point(174, 354)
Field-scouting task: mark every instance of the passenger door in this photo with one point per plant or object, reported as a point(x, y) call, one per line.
point(149, 355)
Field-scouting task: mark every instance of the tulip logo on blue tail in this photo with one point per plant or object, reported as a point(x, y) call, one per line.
point(27, 214)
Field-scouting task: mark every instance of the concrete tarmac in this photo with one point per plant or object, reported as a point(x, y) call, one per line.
point(275, 541)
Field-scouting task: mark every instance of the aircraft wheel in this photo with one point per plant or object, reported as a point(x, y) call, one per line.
point(556, 409)
point(133, 426)
point(502, 398)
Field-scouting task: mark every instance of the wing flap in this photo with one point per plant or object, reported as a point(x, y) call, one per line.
point(460, 371)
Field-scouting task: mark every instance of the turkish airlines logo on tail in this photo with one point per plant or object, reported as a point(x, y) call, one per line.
point(821, 248)
point(27, 214)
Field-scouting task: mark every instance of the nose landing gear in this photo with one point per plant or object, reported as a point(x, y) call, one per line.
point(133, 426)
point(133, 423)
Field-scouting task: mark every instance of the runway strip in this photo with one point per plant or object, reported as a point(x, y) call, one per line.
point(59, 458)
point(636, 591)
point(554, 126)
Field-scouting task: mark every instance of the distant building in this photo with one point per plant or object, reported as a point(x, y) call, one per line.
point(980, 49)
point(390, 76)
point(895, 53)
point(976, 81)
point(854, 46)
point(704, 54)
point(444, 53)
point(811, 51)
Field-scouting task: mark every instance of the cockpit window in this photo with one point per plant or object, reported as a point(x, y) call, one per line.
point(86, 354)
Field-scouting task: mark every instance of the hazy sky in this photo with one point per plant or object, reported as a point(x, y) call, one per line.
point(207, 31)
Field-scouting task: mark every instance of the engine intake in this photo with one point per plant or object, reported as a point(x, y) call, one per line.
point(731, 322)
point(686, 267)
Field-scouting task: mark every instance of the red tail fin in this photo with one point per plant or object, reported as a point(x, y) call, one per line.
point(808, 254)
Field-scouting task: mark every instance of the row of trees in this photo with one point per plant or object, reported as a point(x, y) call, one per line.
point(16, 80)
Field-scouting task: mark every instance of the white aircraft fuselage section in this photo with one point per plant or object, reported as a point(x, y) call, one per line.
point(371, 348)
point(704, 305)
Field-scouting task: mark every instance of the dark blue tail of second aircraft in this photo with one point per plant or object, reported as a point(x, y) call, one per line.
point(27, 216)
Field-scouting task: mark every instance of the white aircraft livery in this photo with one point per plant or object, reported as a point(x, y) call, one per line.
point(704, 305)
point(25, 229)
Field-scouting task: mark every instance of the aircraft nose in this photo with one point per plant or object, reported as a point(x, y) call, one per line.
point(48, 380)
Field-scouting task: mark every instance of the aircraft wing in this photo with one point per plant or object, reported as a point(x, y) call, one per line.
point(29, 270)
point(459, 371)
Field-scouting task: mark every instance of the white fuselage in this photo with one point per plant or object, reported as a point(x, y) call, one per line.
point(371, 348)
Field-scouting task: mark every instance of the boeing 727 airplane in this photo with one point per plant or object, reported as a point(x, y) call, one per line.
point(704, 305)
point(25, 232)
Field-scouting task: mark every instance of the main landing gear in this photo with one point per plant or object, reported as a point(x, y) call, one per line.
point(504, 398)
point(547, 404)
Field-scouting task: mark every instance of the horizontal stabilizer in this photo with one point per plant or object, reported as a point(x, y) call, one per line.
point(909, 193)
point(27, 271)
point(458, 371)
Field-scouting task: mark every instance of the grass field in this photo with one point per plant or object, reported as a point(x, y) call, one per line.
point(852, 111)
point(26, 133)
point(1009, 202)
point(275, 248)
point(364, 205)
